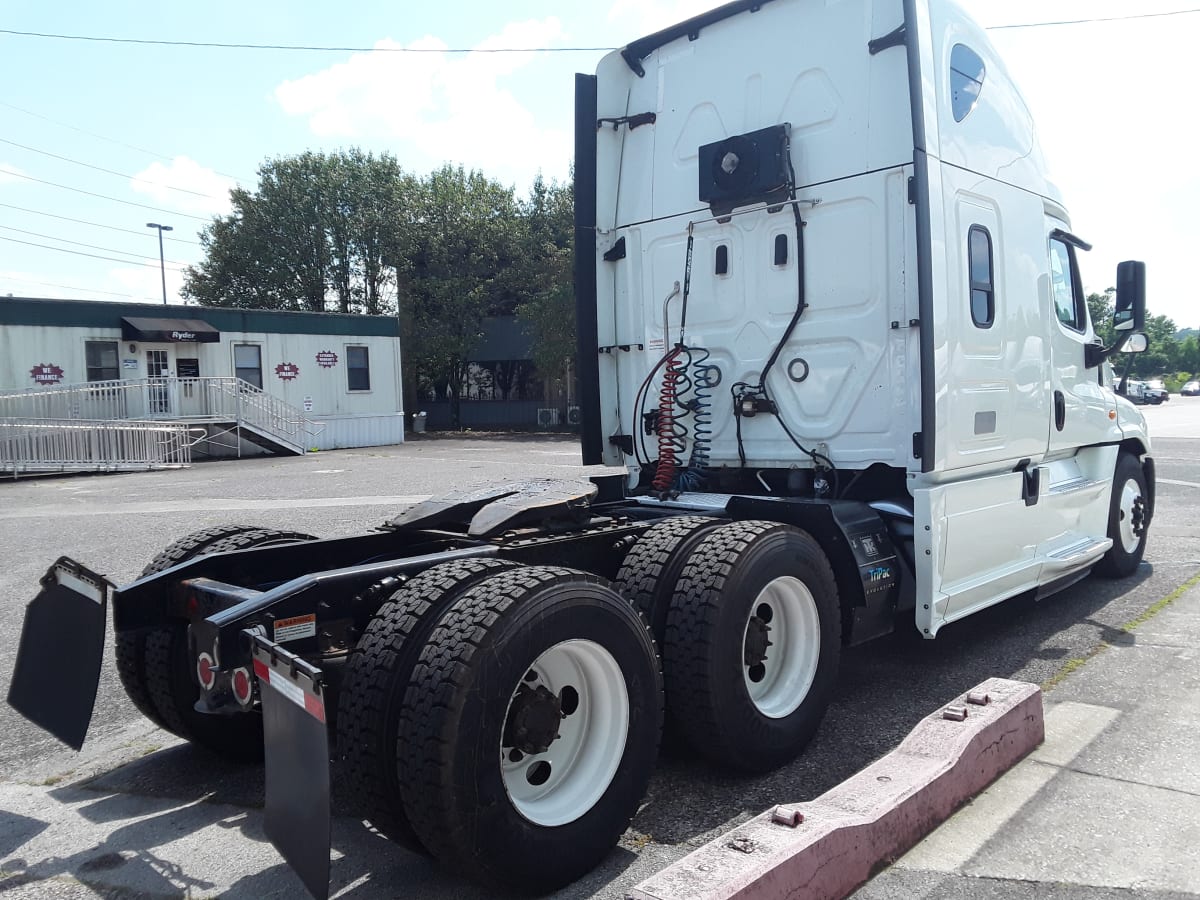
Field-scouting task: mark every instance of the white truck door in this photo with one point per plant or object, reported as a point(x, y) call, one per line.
point(1079, 406)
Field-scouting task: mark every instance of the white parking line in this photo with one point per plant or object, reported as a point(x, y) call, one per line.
point(61, 511)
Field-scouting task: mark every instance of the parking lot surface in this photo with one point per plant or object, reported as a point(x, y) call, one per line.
point(139, 813)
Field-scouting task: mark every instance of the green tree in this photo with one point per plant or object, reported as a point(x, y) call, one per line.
point(1189, 356)
point(314, 234)
point(461, 267)
point(547, 308)
point(1100, 307)
point(1163, 351)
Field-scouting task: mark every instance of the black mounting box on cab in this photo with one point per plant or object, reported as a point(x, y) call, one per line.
point(745, 168)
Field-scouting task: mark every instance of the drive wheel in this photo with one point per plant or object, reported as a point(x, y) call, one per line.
point(1128, 520)
point(374, 685)
point(531, 727)
point(653, 565)
point(752, 645)
point(156, 668)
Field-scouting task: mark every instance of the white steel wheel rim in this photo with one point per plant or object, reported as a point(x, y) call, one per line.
point(780, 683)
point(1131, 496)
point(584, 758)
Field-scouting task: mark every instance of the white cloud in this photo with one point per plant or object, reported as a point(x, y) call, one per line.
point(9, 173)
point(145, 282)
point(185, 185)
point(446, 107)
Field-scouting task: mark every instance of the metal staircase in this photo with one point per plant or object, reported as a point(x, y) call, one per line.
point(141, 423)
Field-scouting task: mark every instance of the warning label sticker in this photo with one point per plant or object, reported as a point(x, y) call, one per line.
point(295, 628)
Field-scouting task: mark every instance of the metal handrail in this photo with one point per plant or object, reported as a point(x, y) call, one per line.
point(164, 398)
point(30, 445)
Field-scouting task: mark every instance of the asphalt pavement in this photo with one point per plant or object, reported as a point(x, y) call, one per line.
point(138, 813)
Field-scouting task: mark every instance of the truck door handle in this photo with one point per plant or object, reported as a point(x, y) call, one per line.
point(1060, 410)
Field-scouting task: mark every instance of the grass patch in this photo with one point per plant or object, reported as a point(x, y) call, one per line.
point(53, 780)
point(1074, 664)
point(1162, 604)
point(638, 841)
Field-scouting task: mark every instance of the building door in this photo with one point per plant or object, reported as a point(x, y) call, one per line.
point(158, 375)
point(191, 388)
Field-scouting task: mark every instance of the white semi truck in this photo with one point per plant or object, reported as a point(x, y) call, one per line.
point(834, 343)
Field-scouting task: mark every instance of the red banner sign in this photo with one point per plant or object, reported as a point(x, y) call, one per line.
point(46, 373)
point(326, 359)
point(287, 371)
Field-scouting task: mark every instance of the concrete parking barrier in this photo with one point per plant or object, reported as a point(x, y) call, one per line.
point(829, 846)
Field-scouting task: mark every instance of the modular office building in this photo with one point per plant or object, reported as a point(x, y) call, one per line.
point(339, 373)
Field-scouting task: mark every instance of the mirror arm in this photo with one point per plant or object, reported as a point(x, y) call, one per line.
point(1095, 354)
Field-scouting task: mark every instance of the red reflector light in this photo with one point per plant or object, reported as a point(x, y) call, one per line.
point(204, 671)
point(242, 686)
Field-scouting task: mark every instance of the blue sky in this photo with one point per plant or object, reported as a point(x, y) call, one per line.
point(1114, 102)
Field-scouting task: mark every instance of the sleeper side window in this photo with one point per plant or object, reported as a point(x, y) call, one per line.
point(982, 274)
point(1068, 300)
point(966, 80)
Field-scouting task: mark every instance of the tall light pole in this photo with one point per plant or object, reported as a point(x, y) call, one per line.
point(162, 262)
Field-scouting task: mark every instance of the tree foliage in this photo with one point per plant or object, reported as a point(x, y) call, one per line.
point(352, 232)
point(547, 307)
point(315, 235)
point(459, 267)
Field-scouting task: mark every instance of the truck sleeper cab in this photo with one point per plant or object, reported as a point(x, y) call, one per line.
point(834, 344)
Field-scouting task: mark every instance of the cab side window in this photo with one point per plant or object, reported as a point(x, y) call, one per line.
point(1068, 300)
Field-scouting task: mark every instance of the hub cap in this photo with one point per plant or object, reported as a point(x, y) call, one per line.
point(564, 733)
point(781, 646)
point(1133, 516)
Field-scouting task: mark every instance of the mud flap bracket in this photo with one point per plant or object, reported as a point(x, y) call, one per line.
point(297, 817)
point(58, 661)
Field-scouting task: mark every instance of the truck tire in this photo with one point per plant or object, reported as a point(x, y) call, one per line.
point(752, 645)
point(653, 565)
point(155, 666)
point(1127, 520)
point(130, 645)
point(531, 728)
point(374, 685)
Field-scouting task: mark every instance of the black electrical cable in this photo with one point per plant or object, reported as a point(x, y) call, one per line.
point(801, 300)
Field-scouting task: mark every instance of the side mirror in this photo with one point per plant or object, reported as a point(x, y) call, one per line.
point(1137, 343)
point(1130, 313)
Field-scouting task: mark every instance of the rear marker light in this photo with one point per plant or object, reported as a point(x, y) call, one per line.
point(243, 687)
point(205, 671)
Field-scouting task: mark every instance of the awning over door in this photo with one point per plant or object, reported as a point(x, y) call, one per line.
point(168, 330)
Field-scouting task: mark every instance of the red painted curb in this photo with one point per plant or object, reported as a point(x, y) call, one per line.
point(846, 834)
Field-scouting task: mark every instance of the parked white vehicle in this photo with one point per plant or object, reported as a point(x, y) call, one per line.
point(834, 344)
point(835, 222)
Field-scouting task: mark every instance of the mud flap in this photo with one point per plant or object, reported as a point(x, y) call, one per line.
point(62, 645)
point(297, 761)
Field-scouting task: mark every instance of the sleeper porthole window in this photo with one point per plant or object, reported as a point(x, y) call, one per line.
point(966, 80)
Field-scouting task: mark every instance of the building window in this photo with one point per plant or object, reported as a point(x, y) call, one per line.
point(966, 80)
point(983, 285)
point(102, 362)
point(247, 363)
point(1068, 300)
point(358, 369)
